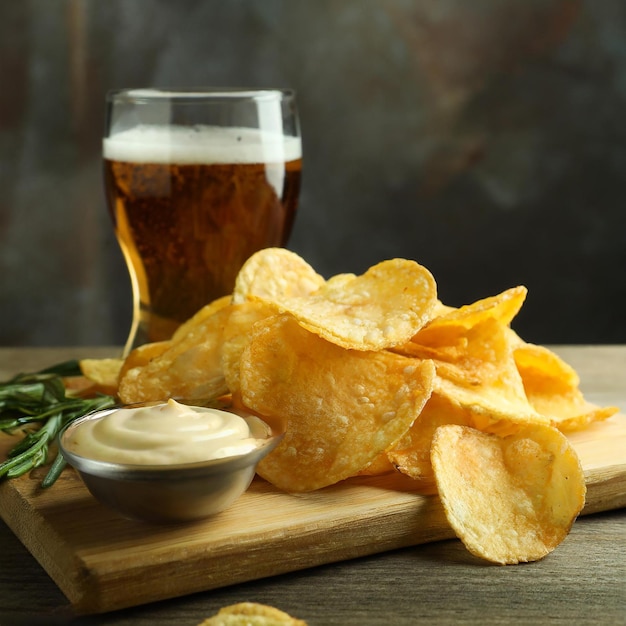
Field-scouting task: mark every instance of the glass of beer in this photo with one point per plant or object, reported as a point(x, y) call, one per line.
point(196, 182)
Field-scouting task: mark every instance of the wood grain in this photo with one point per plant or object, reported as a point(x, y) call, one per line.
point(103, 562)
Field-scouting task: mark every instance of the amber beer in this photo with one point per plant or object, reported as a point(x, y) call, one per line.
point(190, 206)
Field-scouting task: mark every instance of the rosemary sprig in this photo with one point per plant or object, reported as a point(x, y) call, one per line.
point(39, 405)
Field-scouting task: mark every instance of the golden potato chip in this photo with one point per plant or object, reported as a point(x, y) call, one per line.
point(503, 307)
point(251, 614)
point(488, 410)
point(342, 408)
point(509, 499)
point(483, 377)
point(190, 368)
point(446, 330)
point(142, 355)
point(204, 313)
point(103, 373)
point(383, 307)
point(237, 334)
point(273, 274)
point(552, 388)
point(477, 384)
point(569, 421)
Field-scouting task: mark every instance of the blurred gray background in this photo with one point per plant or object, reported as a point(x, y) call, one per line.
point(484, 139)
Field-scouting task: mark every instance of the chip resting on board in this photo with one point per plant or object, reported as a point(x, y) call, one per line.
point(478, 376)
point(509, 499)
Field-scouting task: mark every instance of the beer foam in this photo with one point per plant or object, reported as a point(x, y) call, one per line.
point(200, 145)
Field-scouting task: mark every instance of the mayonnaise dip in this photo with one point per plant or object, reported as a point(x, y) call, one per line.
point(163, 434)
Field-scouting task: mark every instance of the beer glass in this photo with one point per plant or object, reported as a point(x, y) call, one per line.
point(196, 182)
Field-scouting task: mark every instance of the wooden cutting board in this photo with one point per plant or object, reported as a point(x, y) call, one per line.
point(103, 562)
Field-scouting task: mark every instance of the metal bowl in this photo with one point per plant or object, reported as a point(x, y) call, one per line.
point(170, 493)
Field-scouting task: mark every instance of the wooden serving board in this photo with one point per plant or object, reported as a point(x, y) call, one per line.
point(103, 562)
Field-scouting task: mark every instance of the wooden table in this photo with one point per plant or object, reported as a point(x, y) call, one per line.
point(582, 582)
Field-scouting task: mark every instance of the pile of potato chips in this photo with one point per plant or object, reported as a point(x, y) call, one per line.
point(371, 374)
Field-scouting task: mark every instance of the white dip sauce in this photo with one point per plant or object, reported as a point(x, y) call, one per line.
point(164, 434)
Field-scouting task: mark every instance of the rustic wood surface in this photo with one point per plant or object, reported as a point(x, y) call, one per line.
point(583, 581)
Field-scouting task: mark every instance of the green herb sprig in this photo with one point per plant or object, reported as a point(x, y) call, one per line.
point(38, 405)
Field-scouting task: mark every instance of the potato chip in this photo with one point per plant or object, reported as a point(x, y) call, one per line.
point(204, 313)
point(477, 384)
point(509, 499)
point(411, 454)
point(502, 307)
point(447, 329)
point(251, 614)
point(383, 307)
point(342, 408)
point(142, 355)
point(190, 368)
point(273, 274)
point(552, 388)
point(483, 377)
point(237, 334)
point(102, 373)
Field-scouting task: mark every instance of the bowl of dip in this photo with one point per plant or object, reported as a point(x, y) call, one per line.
point(167, 461)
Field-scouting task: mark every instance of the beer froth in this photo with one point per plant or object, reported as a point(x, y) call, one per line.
point(200, 145)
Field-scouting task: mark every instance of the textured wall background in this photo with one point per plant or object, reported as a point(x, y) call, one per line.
point(485, 139)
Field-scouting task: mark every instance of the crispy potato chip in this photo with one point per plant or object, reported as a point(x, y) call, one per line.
point(103, 373)
point(503, 307)
point(190, 368)
point(273, 274)
point(552, 388)
point(342, 407)
point(237, 334)
point(586, 415)
point(411, 454)
point(251, 614)
point(477, 384)
point(483, 377)
point(384, 307)
point(447, 329)
point(204, 313)
point(509, 499)
point(142, 355)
